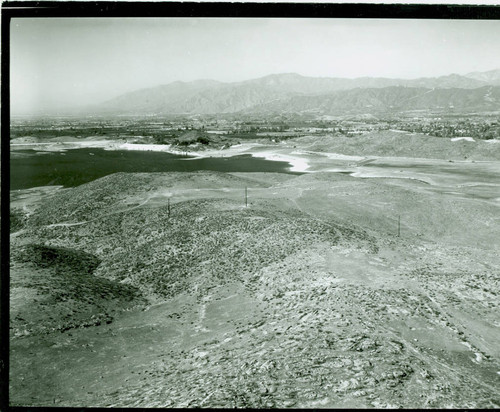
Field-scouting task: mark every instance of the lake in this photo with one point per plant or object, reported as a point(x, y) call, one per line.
point(31, 168)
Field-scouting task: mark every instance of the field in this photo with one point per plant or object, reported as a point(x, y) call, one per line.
point(167, 290)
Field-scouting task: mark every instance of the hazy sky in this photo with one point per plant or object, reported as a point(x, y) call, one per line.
point(61, 62)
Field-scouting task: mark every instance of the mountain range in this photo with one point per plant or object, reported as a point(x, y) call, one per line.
point(293, 93)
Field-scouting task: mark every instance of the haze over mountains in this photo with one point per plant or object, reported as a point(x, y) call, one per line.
point(291, 92)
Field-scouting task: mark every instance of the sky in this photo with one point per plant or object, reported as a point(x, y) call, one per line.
point(61, 62)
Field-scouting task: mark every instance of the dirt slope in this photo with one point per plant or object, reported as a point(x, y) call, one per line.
point(301, 299)
point(401, 144)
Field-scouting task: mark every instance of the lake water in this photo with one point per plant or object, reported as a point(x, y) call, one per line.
point(31, 168)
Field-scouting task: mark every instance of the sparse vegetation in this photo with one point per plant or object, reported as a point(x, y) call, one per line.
point(66, 293)
point(62, 258)
point(17, 219)
point(134, 283)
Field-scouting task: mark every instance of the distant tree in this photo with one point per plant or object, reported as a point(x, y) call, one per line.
point(203, 140)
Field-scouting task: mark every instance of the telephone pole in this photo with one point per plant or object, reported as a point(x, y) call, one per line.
point(399, 225)
point(246, 197)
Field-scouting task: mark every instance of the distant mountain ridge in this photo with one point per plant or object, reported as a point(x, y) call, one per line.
point(289, 92)
point(491, 77)
point(389, 99)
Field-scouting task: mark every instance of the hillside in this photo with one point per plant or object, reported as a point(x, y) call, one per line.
point(305, 298)
point(55, 289)
point(389, 99)
point(292, 92)
point(491, 77)
point(401, 144)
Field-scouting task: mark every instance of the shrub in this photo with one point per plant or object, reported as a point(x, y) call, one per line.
point(17, 219)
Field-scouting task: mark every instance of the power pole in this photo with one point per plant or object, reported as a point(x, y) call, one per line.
point(399, 225)
point(168, 206)
point(246, 197)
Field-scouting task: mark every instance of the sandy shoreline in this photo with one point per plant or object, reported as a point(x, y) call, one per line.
point(298, 163)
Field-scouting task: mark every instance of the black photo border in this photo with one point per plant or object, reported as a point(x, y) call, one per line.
point(118, 9)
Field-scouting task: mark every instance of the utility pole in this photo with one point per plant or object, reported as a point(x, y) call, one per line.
point(168, 206)
point(246, 197)
point(399, 225)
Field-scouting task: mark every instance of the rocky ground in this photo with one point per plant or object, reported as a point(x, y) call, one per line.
point(299, 299)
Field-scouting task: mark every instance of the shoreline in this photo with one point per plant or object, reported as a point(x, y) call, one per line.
point(301, 161)
point(297, 164)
